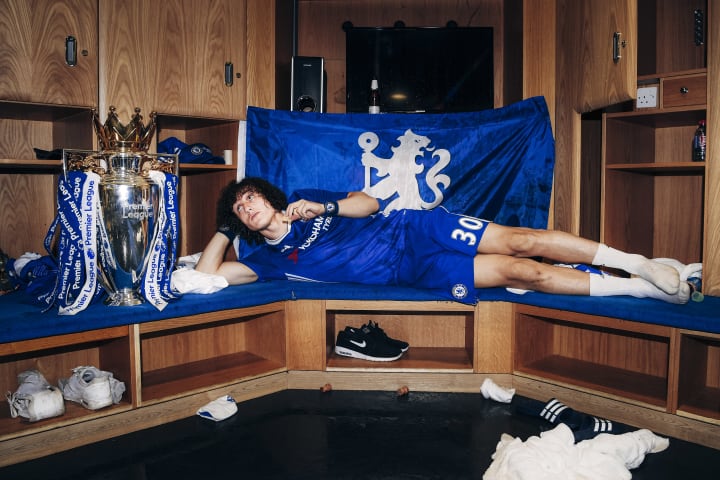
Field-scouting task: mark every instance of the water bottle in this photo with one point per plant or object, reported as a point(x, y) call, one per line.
point(374, 97)
point(698, 145)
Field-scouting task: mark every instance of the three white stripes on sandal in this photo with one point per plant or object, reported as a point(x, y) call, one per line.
point(552, 409)
point(555, 407)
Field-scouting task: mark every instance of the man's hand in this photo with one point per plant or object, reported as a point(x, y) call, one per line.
point(304, 210)
point(355, 205)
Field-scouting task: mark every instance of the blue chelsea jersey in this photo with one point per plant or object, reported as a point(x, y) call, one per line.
point(334, 249)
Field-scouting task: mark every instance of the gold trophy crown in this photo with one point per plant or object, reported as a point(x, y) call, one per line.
point(113, 135)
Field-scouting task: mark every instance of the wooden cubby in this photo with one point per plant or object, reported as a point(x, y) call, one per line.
point(25, 126)
point(653, 194)
point(666, 35)
point(55, 357)
point(200, 183)
point(189, 354)
point(699, 377)
point(27, 183)
point(218, 134)
point(441, 334)
point(603, 355)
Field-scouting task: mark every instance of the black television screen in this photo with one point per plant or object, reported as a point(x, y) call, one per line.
point(424, 69)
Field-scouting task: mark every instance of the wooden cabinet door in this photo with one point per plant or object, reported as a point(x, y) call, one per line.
point(172, 56)
point(33, 39)
point(597, 79)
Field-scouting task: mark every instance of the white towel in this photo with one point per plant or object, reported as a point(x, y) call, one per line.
point(188, 280)
point(189, 261)
point(554, 455)
point(490, 389)
point(630, 447)
point(691, 270)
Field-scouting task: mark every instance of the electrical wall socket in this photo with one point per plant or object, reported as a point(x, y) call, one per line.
point(647, 97)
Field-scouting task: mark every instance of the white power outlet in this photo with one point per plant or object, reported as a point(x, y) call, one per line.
point(647, 97)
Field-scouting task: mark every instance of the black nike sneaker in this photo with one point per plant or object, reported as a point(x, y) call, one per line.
point(364, 344)
point(380, 333)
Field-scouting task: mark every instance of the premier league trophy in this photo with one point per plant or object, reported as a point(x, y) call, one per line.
point(130, 198)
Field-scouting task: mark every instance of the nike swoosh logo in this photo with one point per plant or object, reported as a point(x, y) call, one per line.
point(359, 344)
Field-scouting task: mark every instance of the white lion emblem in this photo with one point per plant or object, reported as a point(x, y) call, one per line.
point(398, 175)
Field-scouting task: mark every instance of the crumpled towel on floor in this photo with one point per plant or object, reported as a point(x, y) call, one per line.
point(554, 455)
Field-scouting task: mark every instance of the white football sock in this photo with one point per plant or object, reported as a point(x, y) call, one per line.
point(664, 277)
point(604, 286)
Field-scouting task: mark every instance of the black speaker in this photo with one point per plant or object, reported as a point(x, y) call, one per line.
point(307, 91)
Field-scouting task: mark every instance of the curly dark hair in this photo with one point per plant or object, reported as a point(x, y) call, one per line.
point(226, 219)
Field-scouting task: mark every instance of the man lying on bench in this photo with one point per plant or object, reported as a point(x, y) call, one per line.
point(339, 237)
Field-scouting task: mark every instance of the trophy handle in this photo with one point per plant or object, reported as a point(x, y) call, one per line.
point(161, 162)
point(84, 161)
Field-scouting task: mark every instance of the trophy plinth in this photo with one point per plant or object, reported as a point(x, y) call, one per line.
point(125, 297)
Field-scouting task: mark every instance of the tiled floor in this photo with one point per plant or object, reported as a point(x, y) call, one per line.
point(340, 435)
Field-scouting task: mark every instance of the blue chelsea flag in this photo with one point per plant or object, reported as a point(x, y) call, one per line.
point(492, 164)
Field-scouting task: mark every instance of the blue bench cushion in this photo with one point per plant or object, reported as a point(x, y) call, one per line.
point(22, 320)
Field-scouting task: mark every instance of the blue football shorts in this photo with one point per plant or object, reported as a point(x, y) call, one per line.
point(440, 247)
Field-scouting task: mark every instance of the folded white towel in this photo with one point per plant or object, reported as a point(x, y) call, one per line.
point(188, 280)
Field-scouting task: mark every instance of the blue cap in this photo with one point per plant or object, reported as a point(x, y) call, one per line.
point(195, 153)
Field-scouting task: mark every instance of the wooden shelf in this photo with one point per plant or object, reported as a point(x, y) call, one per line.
point(18, 165)
point(662, 118)
point(184, 122)
point(446, 349)
point(704, 403)
point(55, 357)
point(205, 374)
point(674, 168)
point(74, 413)
point(63, 341)
point(655, 77)
point(189, 354)
point(194, 168)
point(595, 376)
point(40, 112)
point(55, 166)
point(647, 162)
point(25, 126)
point(209, 318)
point(397, 306)
point(629, 360)
point(416, 359)
point(217, 133)
point(699, 375)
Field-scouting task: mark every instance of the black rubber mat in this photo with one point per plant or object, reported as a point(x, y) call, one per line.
point(298, 434)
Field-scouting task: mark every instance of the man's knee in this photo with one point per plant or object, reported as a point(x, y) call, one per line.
point(523, 242)
point(526, 271)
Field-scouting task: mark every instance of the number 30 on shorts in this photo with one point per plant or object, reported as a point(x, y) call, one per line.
point(466, 234)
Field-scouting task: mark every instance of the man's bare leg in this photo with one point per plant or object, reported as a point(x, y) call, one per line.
point(527, 274)
point(567, 248)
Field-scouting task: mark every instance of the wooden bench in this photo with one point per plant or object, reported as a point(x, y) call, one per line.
point(641, 362)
